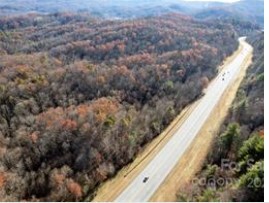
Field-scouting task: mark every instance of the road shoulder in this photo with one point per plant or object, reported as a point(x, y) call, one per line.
point(109, 190)
point(194, 157)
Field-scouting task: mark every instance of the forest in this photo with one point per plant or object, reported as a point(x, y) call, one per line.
point(245, 10)
point(81, 96)
point(237, 154)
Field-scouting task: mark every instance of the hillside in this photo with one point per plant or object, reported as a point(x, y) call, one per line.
point(245, 10)
point(234, 170)
point(80, 96)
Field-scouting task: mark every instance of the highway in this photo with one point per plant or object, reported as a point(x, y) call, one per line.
point(151, 177)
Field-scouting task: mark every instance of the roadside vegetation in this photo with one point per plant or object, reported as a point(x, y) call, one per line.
point(80, 96)
point(234, 170)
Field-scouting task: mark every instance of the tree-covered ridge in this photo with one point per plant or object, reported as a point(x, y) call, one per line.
point(246, 10)
point(79, 96)
point(234, 168)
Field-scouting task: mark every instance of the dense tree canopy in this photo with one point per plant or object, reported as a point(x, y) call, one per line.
point(79, 96)
point(240, 144)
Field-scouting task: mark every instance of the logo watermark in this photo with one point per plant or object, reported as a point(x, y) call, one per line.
point(228, 166)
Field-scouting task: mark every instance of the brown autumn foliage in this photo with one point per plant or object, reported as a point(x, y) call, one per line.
point(59, 179)
point(80, 97)
point(234, 169)
point(205, 82)
point(74, 188)
point(2, 179)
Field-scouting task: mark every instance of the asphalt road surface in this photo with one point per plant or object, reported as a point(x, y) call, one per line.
point(151, 177)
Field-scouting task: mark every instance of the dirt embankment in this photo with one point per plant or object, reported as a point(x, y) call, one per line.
point(192, 159)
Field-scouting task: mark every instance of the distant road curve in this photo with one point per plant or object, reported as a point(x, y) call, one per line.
point(147, 182)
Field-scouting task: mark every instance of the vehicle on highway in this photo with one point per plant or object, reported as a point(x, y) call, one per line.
point(145, 179)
